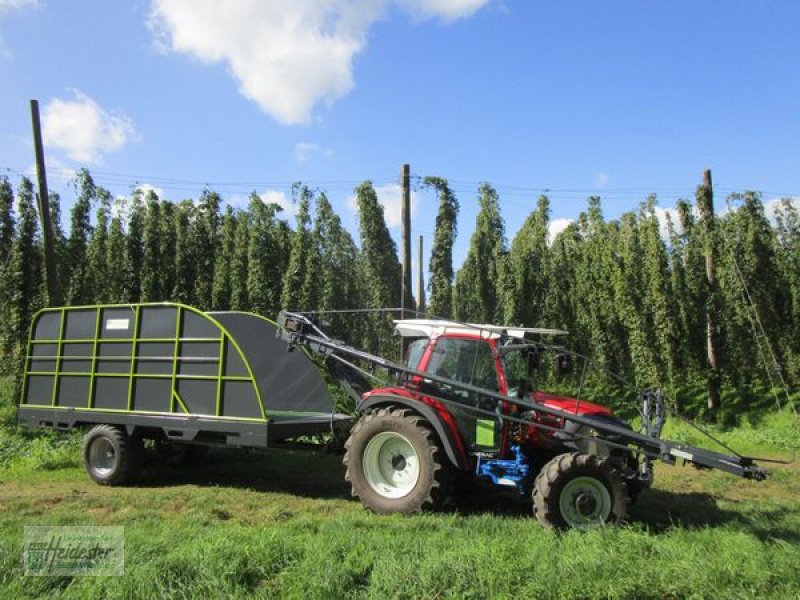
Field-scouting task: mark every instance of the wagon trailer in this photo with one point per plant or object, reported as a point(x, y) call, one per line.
point(464, 403)
point(171, 376)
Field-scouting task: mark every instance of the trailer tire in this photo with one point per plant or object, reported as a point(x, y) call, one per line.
point(111, 456)
point(579, 491)
point(395, 463)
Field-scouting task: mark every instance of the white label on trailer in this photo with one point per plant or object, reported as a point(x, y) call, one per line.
point(117, 324)
point(681, 454)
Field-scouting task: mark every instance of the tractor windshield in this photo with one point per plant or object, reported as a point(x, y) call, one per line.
point(415, 351)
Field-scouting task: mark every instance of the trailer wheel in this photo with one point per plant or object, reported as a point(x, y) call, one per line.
point(393, 462)
point(111, 456)
point(579, 491)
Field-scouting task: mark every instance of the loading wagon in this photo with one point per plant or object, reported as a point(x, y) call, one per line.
point(172, 372)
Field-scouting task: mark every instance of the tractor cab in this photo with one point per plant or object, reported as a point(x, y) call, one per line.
point(500, 360)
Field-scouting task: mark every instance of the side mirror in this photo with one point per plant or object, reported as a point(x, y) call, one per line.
point(563, 364)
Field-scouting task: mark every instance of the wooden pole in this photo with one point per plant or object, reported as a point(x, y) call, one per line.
point(420, 281)
point(705, 204)
point(51, 278)
point(406, 300)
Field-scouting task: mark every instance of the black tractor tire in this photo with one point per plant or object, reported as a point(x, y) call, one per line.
point(171, 454)
point(580, 491)
point(111, 456)
point(394, 462)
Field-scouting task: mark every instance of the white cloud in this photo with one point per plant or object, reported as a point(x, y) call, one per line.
point(9, 5)
point(556, 226)
point(83, 129)
point(390, 197)
point(663, 226)
point(287, 56)
point(771, 207)
point(282, 199)
point(448, 10)
point(600, 180)
point(278, 197)
point(303, 151)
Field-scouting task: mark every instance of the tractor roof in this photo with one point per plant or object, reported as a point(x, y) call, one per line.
point(432, 327)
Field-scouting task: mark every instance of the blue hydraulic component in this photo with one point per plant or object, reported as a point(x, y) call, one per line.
point(514, 473)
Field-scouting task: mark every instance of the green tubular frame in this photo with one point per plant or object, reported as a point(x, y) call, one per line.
point(176, 402)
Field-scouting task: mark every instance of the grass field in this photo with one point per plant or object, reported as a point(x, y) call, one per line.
point(282, 524)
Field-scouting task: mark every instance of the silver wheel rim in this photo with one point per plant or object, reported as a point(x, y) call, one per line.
point(102, 456)
point(391, 465)
point(585, 502)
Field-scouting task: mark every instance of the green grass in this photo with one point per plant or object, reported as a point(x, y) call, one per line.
point(282, 524)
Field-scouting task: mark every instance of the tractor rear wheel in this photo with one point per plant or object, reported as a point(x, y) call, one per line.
point(394, 462)
point(111, 456)
point(579, 491)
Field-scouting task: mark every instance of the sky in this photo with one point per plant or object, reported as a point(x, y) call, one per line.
point(573, 98)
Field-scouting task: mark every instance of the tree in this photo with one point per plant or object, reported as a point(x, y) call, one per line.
point(331, 278)
point(184, 256)
point(119, 264)
point(440, 284)
point(264, 272)
point(630, 297)
point(6, 218)
point(679, 292)
point(77, 269)
point(527, 268)
point(788, 253)
point(694, 300)
point(659, 311)
point(379, 266)
point(24, 276)
point(97, 252)
point(221, 293)
point(151, 278)
point(7, 239)
point(599, 329)
point(477, 282)
point(167, 249)
point(292, 297)
point(135, 246)
point(705, 205)
point(203, 234)
point(239, 263)
point(750, 287)
point(59, 240)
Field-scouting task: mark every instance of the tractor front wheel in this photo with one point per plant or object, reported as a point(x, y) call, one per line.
point(579, 491)
point(394, 463)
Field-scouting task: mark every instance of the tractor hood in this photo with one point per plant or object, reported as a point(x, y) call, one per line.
point(570, 405)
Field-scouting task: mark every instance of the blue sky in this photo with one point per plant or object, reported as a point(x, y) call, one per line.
point(616, 98)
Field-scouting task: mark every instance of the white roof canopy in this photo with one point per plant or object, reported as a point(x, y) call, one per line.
point(432, 327)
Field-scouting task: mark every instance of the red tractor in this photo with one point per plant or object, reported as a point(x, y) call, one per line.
point(412, 439)
point(466, 403)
